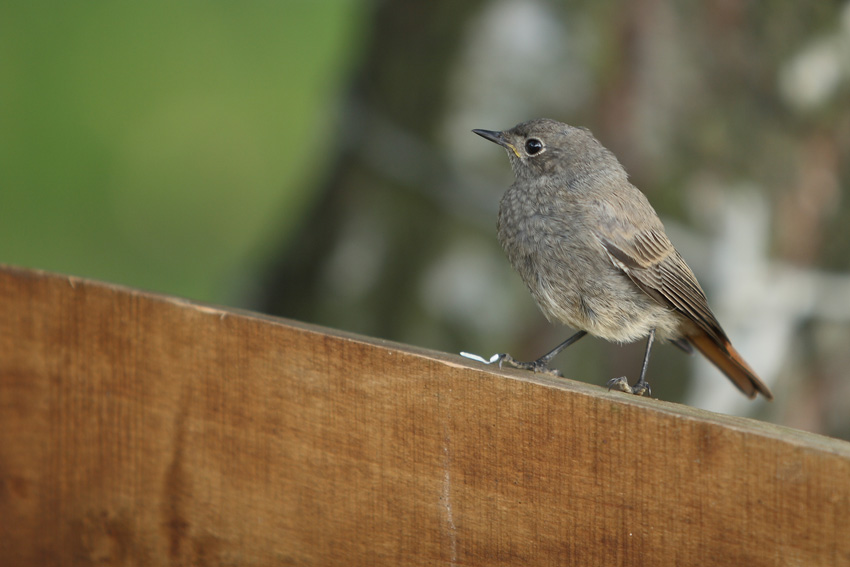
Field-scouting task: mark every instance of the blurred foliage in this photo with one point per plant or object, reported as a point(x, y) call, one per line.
point(159, 144)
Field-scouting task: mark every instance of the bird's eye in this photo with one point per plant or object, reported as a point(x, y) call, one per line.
point(533, 146)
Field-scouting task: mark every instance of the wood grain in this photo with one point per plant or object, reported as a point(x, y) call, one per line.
point(138, 429)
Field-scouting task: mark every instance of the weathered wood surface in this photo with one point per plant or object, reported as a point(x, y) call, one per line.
point(138, 429)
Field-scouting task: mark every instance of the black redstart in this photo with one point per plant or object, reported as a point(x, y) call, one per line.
point(594, 255)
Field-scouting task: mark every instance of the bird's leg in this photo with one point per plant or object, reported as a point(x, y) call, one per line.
point(641, 387)
point(542, 363)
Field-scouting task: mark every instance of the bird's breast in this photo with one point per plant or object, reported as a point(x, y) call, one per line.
point(568, 273)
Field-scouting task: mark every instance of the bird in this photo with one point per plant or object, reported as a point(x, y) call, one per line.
point(594, 254)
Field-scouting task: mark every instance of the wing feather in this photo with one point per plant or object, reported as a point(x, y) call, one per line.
point(651, 262)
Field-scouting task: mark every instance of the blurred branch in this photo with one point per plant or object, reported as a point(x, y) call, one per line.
point(355, 256)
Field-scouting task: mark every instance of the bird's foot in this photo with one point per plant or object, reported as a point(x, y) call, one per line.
point(640, 388)
point(538, 365)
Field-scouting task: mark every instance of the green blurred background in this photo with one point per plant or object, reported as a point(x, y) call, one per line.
point(313, 159)
point(163, 144)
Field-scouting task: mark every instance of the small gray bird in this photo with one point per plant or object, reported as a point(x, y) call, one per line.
point(594, 255)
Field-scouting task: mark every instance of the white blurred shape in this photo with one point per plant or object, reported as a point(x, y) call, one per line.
point(759, 304)
point(813, 76)
point(472, 287)
point(520, 60)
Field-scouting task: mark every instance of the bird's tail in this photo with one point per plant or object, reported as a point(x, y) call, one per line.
point(727, 359)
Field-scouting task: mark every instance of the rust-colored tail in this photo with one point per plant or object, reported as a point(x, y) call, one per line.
point(727, 359)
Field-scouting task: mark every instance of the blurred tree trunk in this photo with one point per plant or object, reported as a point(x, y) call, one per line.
point(356, 258)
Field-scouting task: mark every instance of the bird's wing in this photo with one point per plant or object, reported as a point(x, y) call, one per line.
point(650, 260)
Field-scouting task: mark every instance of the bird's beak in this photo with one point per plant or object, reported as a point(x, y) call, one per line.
point(497, 138)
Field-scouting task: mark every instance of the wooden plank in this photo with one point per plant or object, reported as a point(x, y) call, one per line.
point(138, 429)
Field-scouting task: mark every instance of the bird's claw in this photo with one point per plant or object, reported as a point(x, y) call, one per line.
point(536, 366)
point(504, 358)
point(622, 384)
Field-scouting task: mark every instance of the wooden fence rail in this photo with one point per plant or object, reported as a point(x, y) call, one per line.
point(138, 429)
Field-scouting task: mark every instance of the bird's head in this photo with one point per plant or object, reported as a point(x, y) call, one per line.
point(544, 148)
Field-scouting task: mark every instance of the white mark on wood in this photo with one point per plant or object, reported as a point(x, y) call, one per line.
point(494, 358)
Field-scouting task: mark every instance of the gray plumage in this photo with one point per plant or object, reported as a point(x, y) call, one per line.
point(593, 252)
